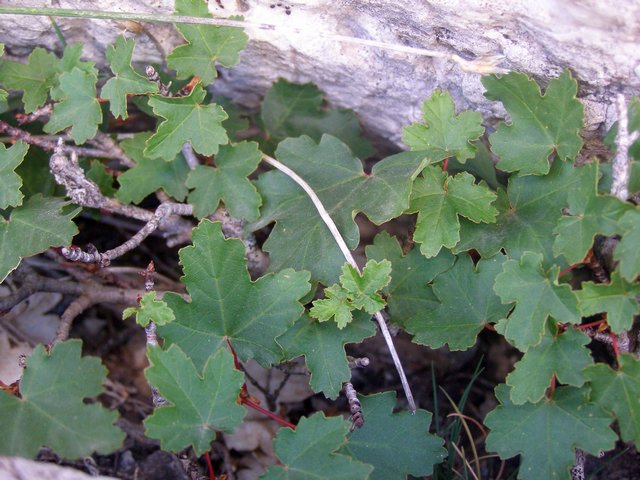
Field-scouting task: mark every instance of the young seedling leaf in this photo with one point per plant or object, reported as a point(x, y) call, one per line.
point(10, 181)
point(618, 392)
point(396, 444)
point(35, 78)
point(200, 403)
point(300, 239)
point(322, 344)
point(150, 310)
point(51, 412)
point(627, 251)
point(291, 110)
point(547, 433)
point(206, 44)
point(226, 304)
point(363, 287)
point(442, 128)
point(467, 303)
point(538, 296)
point(590, 214)
point(149, 175)
point(541, 124)
point(310, 452)
point(439, 200)
point(336, 304)
point(79, 107)
point(187, 120)
point(528, 213)
point(126, 81)
point(617, 299)
point(227, 182)
point(32, 228)
point(562, 354)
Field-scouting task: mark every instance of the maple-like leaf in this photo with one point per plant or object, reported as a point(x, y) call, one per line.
point(149, 175)
point(439, 199)
point(150, 310)
point(187, 120)
point(627, 251)
point(617, 299)
point(481, 166)
point(310, 452)
point(541, 124)
point(547, 433)
point(126, 81)
point(35, 78)
point(589, 214)
point(291, 110)
point(537, 295)
point(562, 354)
point(376, 443)
point(528, 213)
point(32, 228)
point(336, 304)
point(71, 58)
point(618, 392)
point(10, 181)
point(201, 401)
point(300, 239)
point(467, 303)
point(408, 295)
point(322, 345)
point(227, 181)
point(442, 128)
point(206, 44)
point(51, 413)
point(226, 305)
point(78, 109)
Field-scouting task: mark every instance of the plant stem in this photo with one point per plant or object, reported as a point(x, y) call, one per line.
point(326, 218)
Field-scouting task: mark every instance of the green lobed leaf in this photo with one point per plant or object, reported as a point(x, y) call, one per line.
point(562, 354)
point(439, 199)
point(206, 44)
point(618, 392)
point(537, 295)
point(547, 433)
point(363, 287)
point(78, 109)
point(396, 444)
point(336, 304)
point(310, 452)
point(617, 299)
point(10, 181)
point(322, 345)
point(35, 78)
point(528, 213)
point(148, 175)
point(150, 310)
point(481, 166)
point(291, 110)
point(442, 128)
point(408, 295)
point(32, 228)
point(589, 214)
point(186, 120)
point(99, 175)
point(541, 124)
point(70, 60)
point(467, 303)
point(300, 239)
point(627, 251)
point(126, 81)
point(51, 411)
point(201, 403)
point(226, 305)
point(227, 182)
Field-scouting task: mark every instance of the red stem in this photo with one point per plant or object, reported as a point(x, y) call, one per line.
point(282, 421)
point(552, 386)
point(235, 357)
point(445, 164)
point(212, 474)
point(592, 324)
point(568, 269)
point(614, 342)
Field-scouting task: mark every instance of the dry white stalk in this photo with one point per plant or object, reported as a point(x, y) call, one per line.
point(621, 164)
point(326, 218)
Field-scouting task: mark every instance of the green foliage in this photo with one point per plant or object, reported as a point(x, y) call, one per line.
point(312, 449)
point(194, 414)
point(35, 78)
point(357, 291)
point(541, 124)
point(51, 412)
point(10, 181)
point(627, 251)
point(150, 310)
point(443, 129)
point(546, 434)
point(376, 443)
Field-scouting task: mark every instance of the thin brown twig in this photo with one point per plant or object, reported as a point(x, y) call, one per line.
point(74, 309)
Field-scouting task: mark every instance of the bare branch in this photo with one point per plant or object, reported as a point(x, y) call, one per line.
point(358, 362)
point(74, 309)
point(190, 156)
point(624, 139)
point(357, 417)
